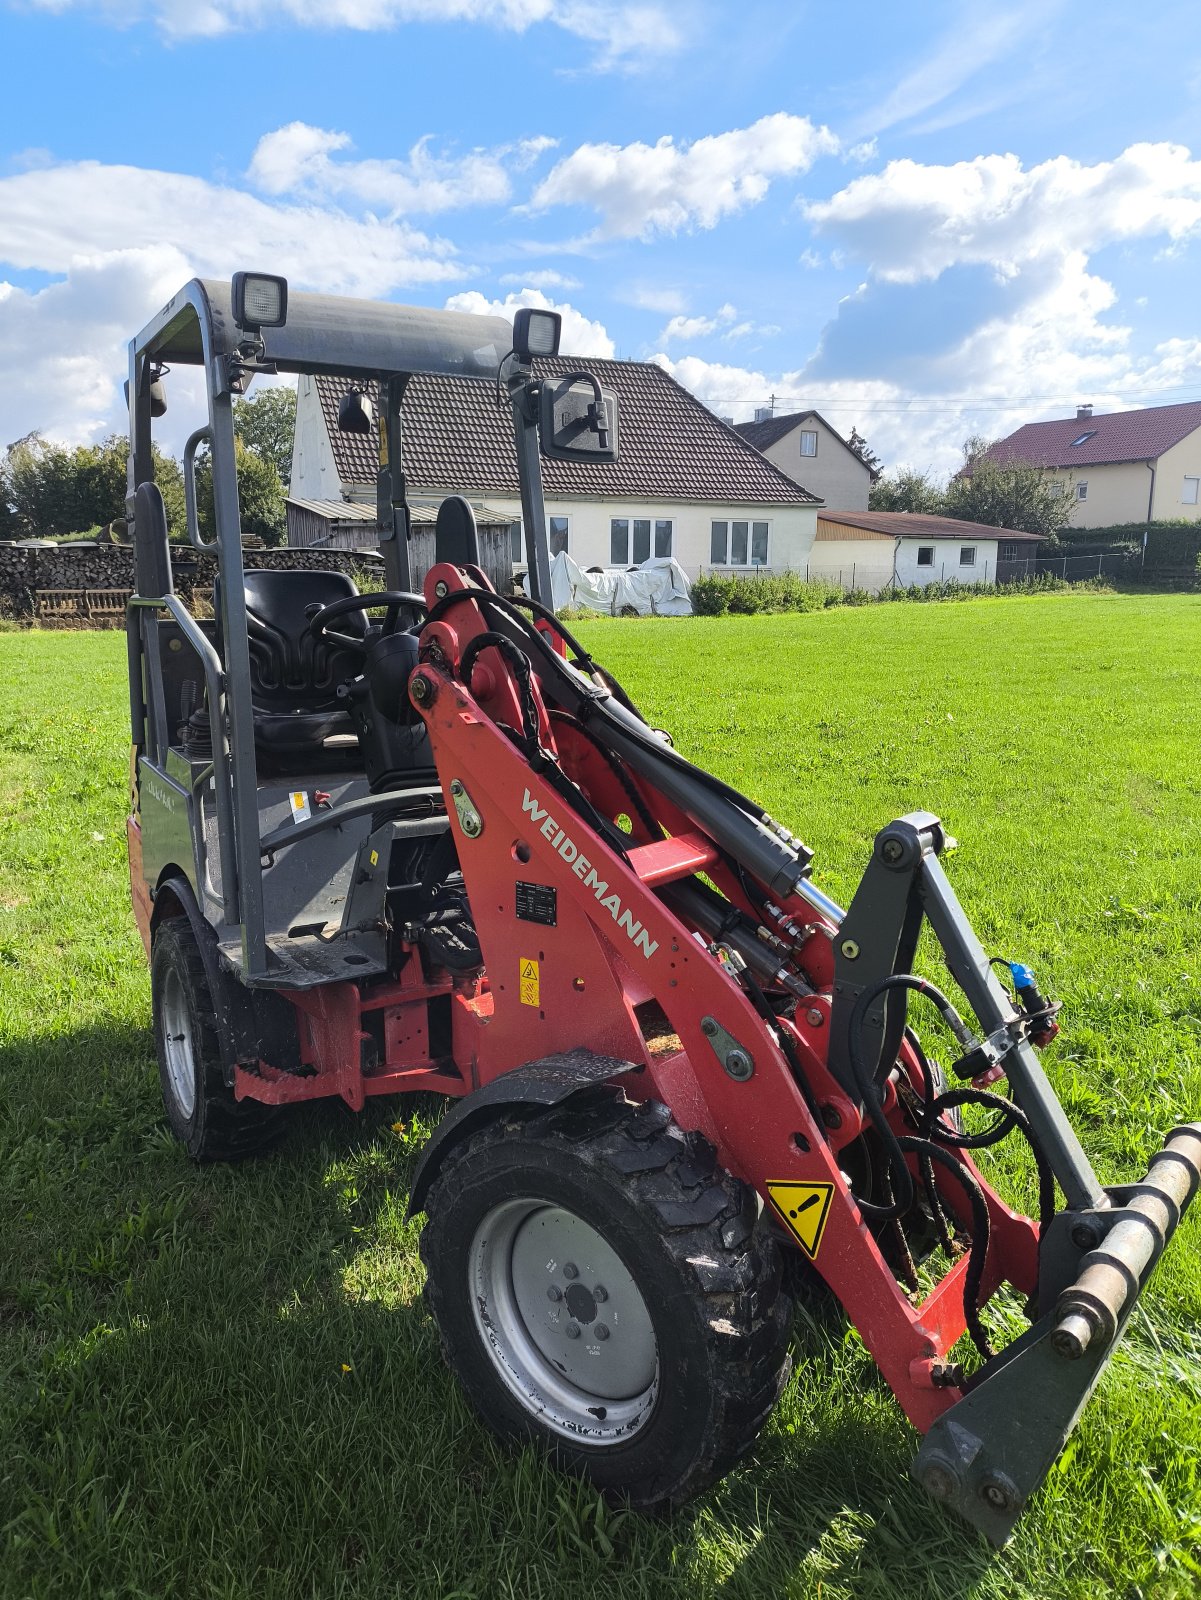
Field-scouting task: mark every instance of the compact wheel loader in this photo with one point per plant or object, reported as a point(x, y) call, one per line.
point(422, 841)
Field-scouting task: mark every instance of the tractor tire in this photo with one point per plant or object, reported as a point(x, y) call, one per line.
point(200, 1105)
point(603, 1289)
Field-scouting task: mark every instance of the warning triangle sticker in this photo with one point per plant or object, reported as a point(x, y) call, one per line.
point(529, 969)
point(804, 1207)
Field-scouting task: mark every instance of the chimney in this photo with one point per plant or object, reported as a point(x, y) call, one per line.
point(1083, 413)
point(764, 413)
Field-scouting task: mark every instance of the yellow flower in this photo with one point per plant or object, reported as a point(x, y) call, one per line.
point(398, 1127)
point(346, 1368)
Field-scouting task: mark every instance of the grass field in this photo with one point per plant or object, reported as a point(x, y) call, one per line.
point(222, 1382)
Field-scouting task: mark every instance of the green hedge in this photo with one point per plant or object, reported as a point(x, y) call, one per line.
point(719, 595)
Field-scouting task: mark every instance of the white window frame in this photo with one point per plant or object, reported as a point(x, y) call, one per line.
point(921, 551)
point(1082, 489)
point(808, 433)
point(1057, 489)
point(656, 523)
point(1007, 550)
point(749, 565)
point(967, 555)
point(1187, 499)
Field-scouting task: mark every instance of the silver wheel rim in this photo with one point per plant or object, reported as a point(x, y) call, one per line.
point(178, 1043)
point(563, 1321)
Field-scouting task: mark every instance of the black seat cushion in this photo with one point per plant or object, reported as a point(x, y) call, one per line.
point(294, 677)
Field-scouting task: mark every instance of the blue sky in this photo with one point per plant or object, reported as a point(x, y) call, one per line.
point(925, 221)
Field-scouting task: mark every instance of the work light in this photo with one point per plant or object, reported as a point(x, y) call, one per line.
point(259, 301)
point(536, 333)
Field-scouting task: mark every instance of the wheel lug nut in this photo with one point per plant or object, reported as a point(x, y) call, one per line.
point(554, 1292)
point(600, 1294)
point(573, 1330)
point(601, 1331)
point(570, 1270)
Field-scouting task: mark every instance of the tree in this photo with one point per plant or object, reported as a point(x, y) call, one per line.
point(266, 425)
point(260, 496)
point(866, 454)
point(49, 489)
point(906, 490)
point(1004, 494)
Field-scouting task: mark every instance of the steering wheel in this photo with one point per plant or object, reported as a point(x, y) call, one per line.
point(396, 600)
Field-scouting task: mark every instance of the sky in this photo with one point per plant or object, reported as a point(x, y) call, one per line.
point(926, 222)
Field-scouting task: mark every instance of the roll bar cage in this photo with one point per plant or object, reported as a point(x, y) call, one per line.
point(323, 334)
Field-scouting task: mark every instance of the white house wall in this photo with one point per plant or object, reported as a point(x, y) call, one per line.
point(854, 563)
point(946, 562)
point(314, 475)
point(1181, 461)
point(834, 474)
point(790, 538)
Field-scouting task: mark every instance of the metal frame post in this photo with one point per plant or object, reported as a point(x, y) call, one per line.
point(391, 504)
point(523, 397)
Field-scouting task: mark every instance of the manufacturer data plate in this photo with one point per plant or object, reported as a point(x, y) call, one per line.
point(538, 902)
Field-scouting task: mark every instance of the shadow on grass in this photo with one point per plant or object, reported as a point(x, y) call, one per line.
point(221, 1380)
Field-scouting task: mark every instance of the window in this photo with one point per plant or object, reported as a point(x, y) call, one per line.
point(808, 442)
point(738, 544)
point(1084, 437)
point(1082, 490)
point(557, 529)
point(967, 555)
point(925, 555)
point(630, 539)
point(1188, 495)
point(1057, 490)
point(1008, 550)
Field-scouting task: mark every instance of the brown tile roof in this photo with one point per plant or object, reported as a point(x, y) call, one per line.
point(671, 446)
point(909, 525)
point(1115, 436)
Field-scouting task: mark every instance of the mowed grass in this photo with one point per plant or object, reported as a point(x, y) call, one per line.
point(221, 1382)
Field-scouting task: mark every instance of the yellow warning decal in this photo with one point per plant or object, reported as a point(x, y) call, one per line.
point(375, 858)
point(804, 1207)
point(527, 973)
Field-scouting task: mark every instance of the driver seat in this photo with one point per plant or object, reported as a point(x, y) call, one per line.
point(294, 678)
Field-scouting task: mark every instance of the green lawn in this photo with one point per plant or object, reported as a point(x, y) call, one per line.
point(222, 1382)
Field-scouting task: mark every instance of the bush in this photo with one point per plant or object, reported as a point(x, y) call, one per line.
point(718, 594)
point(726, 594)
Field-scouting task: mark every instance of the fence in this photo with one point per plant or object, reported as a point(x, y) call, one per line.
point(1073, 569)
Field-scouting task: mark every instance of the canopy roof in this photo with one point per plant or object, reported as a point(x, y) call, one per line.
point(332, 333)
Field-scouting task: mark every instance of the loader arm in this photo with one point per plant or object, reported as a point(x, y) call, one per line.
point(628, 902)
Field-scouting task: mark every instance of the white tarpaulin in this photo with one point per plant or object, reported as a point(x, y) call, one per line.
point(656, 588)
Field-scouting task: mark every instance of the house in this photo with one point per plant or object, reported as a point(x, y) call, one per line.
point(873, 549)
point(1122, 466)
point(685, 484)
point(807, 448)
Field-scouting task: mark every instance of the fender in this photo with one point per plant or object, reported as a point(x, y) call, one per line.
point(547, 1082)
point(250, 1023)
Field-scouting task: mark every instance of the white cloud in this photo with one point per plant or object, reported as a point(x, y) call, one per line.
point(542, 278)
point(580, 336)
point(654, 297)
point(698, 327)
point(625, 34)
point(912, 221)
point(979, 36)
point(297, 160)
point(640, 189)
point(121, 239)
point(50, 217)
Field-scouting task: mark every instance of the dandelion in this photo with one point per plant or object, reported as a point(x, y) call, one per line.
point(346, 1367)
point(398, 1128)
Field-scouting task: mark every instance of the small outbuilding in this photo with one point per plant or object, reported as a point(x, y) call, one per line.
point(875, 549)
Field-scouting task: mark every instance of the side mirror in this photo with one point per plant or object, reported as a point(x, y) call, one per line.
point(577, 419)
point(355, 414)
